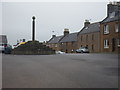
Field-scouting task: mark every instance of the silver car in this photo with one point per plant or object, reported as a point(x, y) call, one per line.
point(82, 50)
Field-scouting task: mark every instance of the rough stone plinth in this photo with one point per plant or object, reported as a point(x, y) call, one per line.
point(33, 48)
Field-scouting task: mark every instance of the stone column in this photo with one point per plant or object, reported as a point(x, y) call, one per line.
point(33, 28)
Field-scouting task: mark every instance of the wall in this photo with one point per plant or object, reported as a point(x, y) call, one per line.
point(92, 40)
point(112, 34)
point(68, 47)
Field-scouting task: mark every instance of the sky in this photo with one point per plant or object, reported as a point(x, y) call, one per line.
point(16, 18)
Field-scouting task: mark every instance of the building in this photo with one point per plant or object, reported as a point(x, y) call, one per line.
point(89, 36)
point(110, 29)
point(66, 43)
point(54, 42)
point(69, 42)
point(3, 39)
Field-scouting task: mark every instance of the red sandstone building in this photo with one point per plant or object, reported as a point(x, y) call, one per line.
point(110, 29)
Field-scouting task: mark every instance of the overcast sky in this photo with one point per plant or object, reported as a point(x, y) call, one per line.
point(50, 16)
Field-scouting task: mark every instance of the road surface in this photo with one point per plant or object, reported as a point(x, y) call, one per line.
point(60, 71)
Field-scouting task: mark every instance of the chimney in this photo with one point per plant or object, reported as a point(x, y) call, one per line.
point(112, 7)
point(23, 40)
point(86, 23)
point(66, 31)
point(53, 36)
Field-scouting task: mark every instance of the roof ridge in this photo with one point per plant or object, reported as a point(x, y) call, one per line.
point(94, 23)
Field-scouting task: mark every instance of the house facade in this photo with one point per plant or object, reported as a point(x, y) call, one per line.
point(66, 43)
point(89, 36)
point(101, 36)
point(54, 42)
point(110, 29)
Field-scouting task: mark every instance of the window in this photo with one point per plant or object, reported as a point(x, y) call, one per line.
point(106, 29)
point(72, 44)
point(92, 47)
point(86, 27)
point(112, 15)
point(86, 37)
point(106, 43)
point(56, 45)
point(118, 42)
point(81, 38)
point(87, 46)
point(66, 43)
point(117, 27)
point(92, 36)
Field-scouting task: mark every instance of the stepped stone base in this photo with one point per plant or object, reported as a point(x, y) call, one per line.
point(33, 48)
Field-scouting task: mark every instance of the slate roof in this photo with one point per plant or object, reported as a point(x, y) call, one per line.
point(116, 16)
point(55, 39)
point(70, 37)
point(94, 27)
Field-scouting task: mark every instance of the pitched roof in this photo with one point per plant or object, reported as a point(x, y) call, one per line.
point(112, 17)
point(94, 27)
point(70, 37)
point(55, 39)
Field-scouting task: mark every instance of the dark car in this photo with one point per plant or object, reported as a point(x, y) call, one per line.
point(82, 50)
point(5, 48)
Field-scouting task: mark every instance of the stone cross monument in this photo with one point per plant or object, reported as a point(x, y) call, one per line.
point(33, 28)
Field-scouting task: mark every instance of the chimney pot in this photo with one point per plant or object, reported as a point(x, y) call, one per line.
point(86, 23)
point(66, 31)
point(53, 36)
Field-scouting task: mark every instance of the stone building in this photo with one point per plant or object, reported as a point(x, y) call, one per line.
point(110, 29)
point(89, 36)
point(69, 42)
point(54, 42)
point(66, 43)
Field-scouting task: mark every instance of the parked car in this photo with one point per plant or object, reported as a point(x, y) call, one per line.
point(1, 48)
point(59, 52)
point(5, 48)
point(82, 50)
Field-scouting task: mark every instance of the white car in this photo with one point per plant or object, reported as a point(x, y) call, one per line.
point(59, 52)
point(82, 50)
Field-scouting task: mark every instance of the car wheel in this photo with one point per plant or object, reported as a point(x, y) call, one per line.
point(81, 51)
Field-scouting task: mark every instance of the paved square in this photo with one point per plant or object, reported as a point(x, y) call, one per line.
point(60, 71)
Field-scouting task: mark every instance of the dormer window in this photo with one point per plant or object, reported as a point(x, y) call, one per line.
point(106, 29)
point(86, 27)
point(112, 15)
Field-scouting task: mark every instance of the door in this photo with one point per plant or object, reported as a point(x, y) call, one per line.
point(113, 44)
